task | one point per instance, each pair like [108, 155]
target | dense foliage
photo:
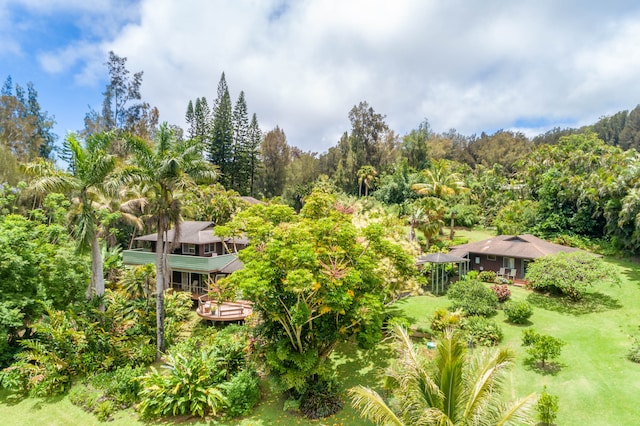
[473, 297]
[38, 264]
[570, 274]
[204, 375]
[518, 312]
[316, 280]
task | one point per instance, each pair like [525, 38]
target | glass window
[509, 262]
[188, 248]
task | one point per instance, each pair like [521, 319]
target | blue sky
[470, 65]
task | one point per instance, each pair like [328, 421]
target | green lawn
[595, 382]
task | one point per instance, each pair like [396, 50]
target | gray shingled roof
[521, 246]
[440, 258]
[193, 232]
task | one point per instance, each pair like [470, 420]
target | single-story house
[199, 256]
[511, 252]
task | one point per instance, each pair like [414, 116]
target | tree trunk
[160, 277]
[453, 222]
[97, 270]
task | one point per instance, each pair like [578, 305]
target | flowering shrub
[502, 292]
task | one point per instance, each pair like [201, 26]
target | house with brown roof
[199, 256]
[507, 253]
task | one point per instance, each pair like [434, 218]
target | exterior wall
[494, 265]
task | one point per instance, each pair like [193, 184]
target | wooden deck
[223, 312]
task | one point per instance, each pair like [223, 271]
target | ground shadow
[590, 303]
[549, 368]
[524, 324]
[394, 311]
[367, 364]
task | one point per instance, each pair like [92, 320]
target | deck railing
[178, 261]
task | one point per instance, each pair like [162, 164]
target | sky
[474, 66]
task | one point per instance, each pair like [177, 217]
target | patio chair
[502, 272]
[512, 274]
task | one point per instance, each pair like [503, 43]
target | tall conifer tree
[222, 132]
[254, 137]
[239, 167]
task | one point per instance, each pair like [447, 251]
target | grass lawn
[473, 235]
[595, 382]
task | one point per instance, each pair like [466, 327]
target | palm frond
[518, 412]
[372, 407]
[485, 375]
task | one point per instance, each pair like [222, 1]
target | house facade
[198, 258]
[512, 252]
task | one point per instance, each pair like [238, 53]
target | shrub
[242, 393]
[104, 410]
[634, 351]
[487, 276]
[541, 347]
[482, 331]
[442, 319]
[320, 399]
[189, 387]
[502, 292]
[547, 407]
[472, 275]
[570, 274]
[517, 312]
[177, 311]
[473, 297]
[120, 385]
[84, 397]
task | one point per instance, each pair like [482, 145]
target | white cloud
[474, 66]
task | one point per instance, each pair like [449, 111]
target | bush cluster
[473, 297]
[442, 319]
[517, 312]
[204, 375]
[320, 399]
[487, 276]
[106, 393]
[482, 331]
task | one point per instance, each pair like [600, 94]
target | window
[188, 248]
[491, 257]
[509, 262]
[477, 260]
[210, 248]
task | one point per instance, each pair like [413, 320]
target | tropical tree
[166, 169]
[316, 280]
[441, 182]
[366, 175]
[461, 389]
[92, 166]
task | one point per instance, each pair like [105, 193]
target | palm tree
[166, 169]
[461, 390]
[441, 182]
[366, 175]
[416, 218]
[92, 166]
